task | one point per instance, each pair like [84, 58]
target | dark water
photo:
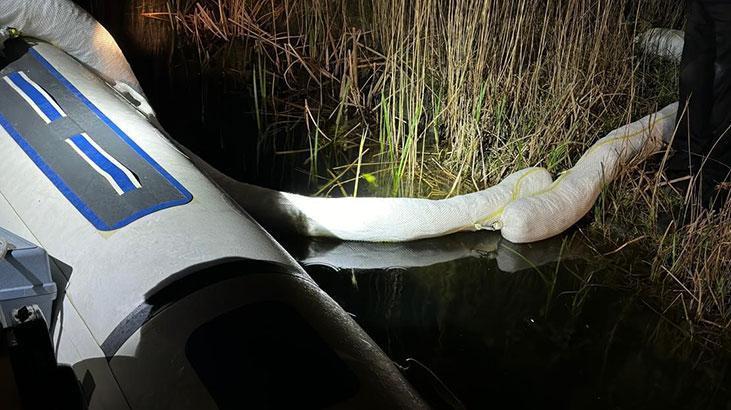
[481, 323]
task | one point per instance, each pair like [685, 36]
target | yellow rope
[555, 183]
[513, 196]
[594, 147]
[626, 137]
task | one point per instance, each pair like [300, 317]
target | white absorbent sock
[526, 206]
[70, 28]
[555, 209]
[662, 42]
[378, 219]
[404, 219]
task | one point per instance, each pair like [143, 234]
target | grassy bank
[433, 98]
[678, 250]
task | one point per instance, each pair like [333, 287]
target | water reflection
[494, 324]
[510, 257]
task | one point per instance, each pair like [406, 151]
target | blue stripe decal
[102, 162]
[38, 98]
[187, 196]
[53, 176]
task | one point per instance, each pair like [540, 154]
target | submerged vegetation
[434, 98]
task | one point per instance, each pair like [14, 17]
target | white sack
[571, 196]
[662, 42]
[378, 219]
[405, 219]
[70, 28]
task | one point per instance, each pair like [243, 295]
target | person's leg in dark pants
[696, 92]
[719, 147]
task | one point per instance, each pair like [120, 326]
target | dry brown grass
[445, 96]
[681, 249]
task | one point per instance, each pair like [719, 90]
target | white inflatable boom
[527, 206]
[403, 219]
[555, 209]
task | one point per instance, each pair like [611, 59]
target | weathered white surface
[112, 271]
[572, 195]
[75, 346]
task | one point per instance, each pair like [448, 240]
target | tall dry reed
[436, 97]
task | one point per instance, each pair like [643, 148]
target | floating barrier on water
[527, 206]
[388, 219]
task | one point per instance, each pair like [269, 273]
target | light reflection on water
[494, 324]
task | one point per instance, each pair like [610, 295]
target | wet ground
[478, 322]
